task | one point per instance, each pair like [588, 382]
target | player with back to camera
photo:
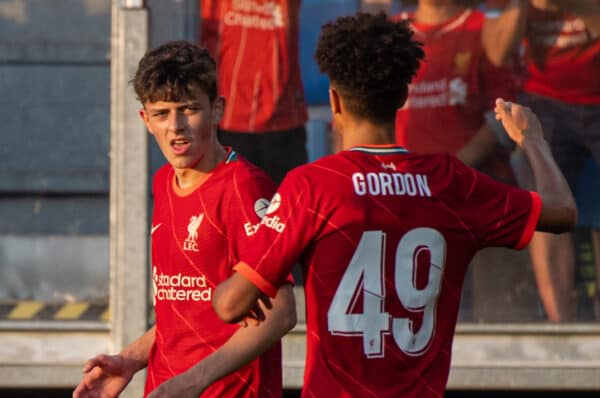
[385, 235]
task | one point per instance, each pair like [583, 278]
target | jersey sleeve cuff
[257, 279]
[534, 215]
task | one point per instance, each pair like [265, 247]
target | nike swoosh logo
[154, 228]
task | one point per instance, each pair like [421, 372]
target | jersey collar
[387, 149]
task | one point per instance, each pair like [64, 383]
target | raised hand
[518, 121]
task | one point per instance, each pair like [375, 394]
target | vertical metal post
[129, 252]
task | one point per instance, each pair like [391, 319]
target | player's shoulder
[329, 167]
[445, 162]
[162, 174]
[345, 161]
[440, 158]
[244, 171]
[238, 164]
[359, 155]
[316, 166]
[441, 168]
[307, 175]
[161, 180]
[163, 171]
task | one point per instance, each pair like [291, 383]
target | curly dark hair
[370, 60]
[173, 71]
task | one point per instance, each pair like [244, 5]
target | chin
[180, 163]
[186, 163]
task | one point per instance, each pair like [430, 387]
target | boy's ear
[334, 101]
[218, 109]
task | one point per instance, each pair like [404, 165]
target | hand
[106, 376]
[518, 121]
[257, 312]
[181, 386]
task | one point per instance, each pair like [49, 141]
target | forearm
[248, 342]
[234, 298]
[137, 353]
[558, 211]
[550, 184]
[501, 36]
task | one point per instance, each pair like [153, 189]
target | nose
[176, 121]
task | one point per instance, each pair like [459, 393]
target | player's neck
[193, 177]
[367, 134]
[436, 12]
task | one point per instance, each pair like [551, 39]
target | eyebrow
[182, 105]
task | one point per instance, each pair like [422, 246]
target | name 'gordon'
[383, 184]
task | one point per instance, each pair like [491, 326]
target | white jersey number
[365, 273]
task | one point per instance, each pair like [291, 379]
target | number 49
[366, 270]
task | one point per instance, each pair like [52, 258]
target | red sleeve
[532, 222]
[497, 214]
[250, 273]
[250, 193]
[285, 231]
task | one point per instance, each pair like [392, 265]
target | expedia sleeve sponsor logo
[261, 206]
[263, 209]
[275, 203]
[250, 228]
[180, 287]
[273, 222]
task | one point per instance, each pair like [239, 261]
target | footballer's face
[185, 130]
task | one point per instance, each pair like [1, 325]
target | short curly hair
[173, 71]
[370, 60]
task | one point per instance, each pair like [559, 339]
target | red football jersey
[562, 58]
[454, 87]
[196, 239]
[255, 44]
[385, 238]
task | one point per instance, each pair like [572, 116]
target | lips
[180, 145]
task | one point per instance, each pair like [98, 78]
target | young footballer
[207, 203]
[385, 235]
